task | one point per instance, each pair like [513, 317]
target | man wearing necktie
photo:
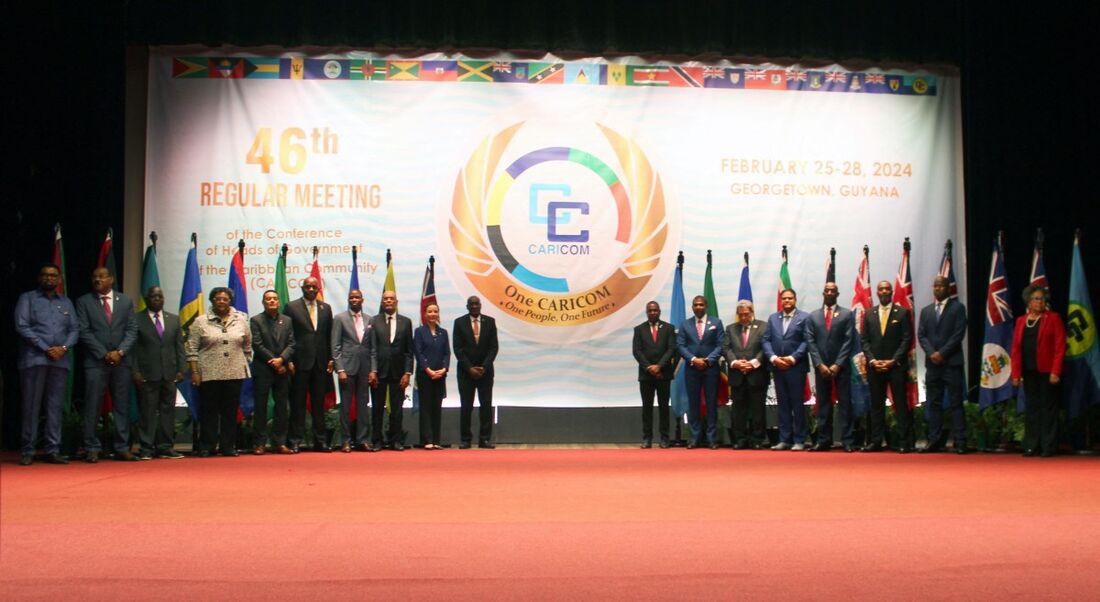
[887, 332]
[748, 378]
[785, 348]
[108, 331]
[312, 365]
[391, 367]
[475, 350]
[940, 334]
[159, 363]
[830, 336]
[272, 353]
[699, 342]
[351, 344]
[655, 351]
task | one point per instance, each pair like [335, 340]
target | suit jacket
[662, 352]
[471, 355]
[350, 353]
[311, 346]
[271, 338]
[1050, 352]
[753, 350]
[894, 345]
[391, 360]
[834, 345]
[710, 346]
[156, 357]
[943, 333]
[99, 337]
[792, 343]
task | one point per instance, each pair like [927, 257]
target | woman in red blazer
[1038, 348]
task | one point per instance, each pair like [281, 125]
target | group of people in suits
[793, 343]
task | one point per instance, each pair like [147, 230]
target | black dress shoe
[1047, 454]
[487, 445]
[713, 445]
[231, 453]
[464, 445]
[26, 460]
[849, 448]
[904, 449]
[91, 457]
[873, 447]
[821, 447]
[202, 453]
[125, 456]
[962, 451]
[322, 448]
[397, 446]
[646, 444]
[1028, 453]
[295, 448]
[929, 449]
[170, 454]
[690, 445]
[346, 447]
[663, 444]
[56, 459]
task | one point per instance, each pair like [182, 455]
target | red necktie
[107, 308]
[654, 330]
[828, 319]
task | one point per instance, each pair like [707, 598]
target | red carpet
[553, 524]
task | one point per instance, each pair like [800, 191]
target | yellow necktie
[313, 314]
[883, 316]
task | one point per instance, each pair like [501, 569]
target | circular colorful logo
[559, 236]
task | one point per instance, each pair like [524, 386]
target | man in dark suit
[159, 363]
[785, 348]
[351, 344]
[887, 332]
[312, 365]
[830, 336]
[475, 349]
[748, 377]
[108, 332]
[273, 346]
[940, 334]
[391, 367]
[655, 351]
[699, 342]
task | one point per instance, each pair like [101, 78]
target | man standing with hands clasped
[391, 367]
[159, 363]
[830, 334]
[475, 349]
[940, 334]
[312, 320]
[272, 354]
[699, 342]
[785, 347]
[887, 332]
[351, 344]
[655, 352]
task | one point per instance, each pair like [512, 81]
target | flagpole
[1006, 443]
[678, 438]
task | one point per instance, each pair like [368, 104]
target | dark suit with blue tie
[705, 381]
[99, 337]
[944, 333]
[790, 383]
[832, 342]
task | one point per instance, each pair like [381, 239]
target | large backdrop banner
[560, 192]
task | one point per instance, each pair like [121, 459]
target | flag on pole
[677, 313]
[150, 276]
[744, 289]
[723, 396]
[281, 287]
[861, 304]
[1038, 270]
[107, 254]
[996, 379]
[315, 272]
[191, 307]
[59, 261]
[427, 290]
[353, 283]
[903, 296]
[947, 270]
[239, 285]
[330, 394]
[1082, 364]
[784, 284]
[390, 284]
[830, 276]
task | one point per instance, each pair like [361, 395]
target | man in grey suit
[272, 352]
[351, 345]
[108, 332]
[391, 367]
[940, 334]
[748, 377]
[830, 336]
[159, 363]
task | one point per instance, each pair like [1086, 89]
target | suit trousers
[878, 382]
[1041, 401]
[747, 403]
[648, 388]
[378, 411]
[277, 387]
[157, 411]
[43, 388]
[358, 432]
[96, 380]
[936, 380]
[483, 387]
[790, 387]
[430, 393]
[843, 399]
[702, 383]
[313, 383]
[220, 401]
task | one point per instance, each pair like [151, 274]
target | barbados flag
[191, 307]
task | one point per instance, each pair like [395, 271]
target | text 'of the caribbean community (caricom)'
[287, 153]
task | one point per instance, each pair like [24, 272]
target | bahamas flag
[191, 307]
[239, 286]
[1082, 366]
[677, 313]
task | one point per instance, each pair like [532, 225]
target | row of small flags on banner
[1082, 366]
[567, 73]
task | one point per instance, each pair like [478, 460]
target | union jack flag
[874, 78]
[756, 74]
[997, 309]
[903, 296]
[502, 67]
[712, 72]
[796, 75]
[1038, 270]
[835, 77]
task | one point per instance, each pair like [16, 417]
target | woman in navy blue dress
[433, 357]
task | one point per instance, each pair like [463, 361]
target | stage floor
[604, 523]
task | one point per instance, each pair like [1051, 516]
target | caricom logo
[556, 237]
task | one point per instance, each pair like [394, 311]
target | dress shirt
[44, 321]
